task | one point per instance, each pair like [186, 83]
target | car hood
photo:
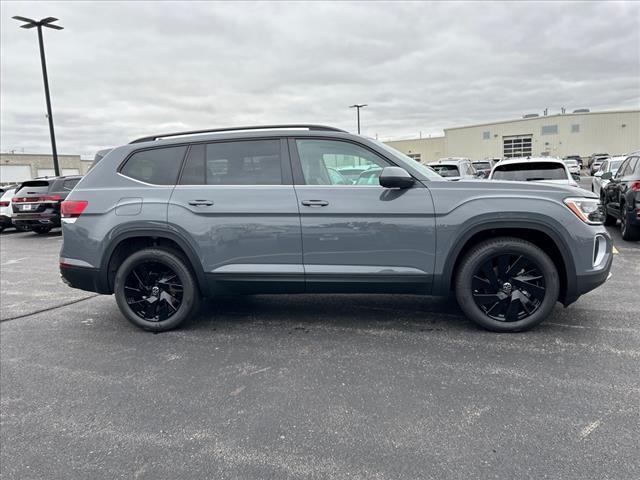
[551, 187]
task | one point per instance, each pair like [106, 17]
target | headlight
[589, 210]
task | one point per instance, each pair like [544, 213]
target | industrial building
[18, 167]
[585, 133]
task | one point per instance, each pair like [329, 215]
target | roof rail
[235, 129]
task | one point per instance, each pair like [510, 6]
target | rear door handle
[315, 203]
[201, 203]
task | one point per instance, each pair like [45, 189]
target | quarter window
[321, 159]
[252, 162]
[158, 166]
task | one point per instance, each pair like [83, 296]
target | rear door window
[252, 162]
[532, 171]
[159, 166]
[70, 183]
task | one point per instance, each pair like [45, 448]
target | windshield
[614, 165]
[428, 172]
[571, 163]
[482, 165]
[529, 172]
[446, 170]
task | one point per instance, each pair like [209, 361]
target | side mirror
[395, 177]
[576, 176]
[604, 176]
[481, 174]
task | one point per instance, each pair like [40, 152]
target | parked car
[610, 165]
[577, 158]
[535, 169]
[36, 204]
[574, 167]
[622, 197]
[595, 165]
[6, 193]
[594, 156]
[167, 219]
[352, 173]
[454, 168]
[482, 167]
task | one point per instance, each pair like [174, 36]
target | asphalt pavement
[313, 386]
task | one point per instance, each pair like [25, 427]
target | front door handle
[315, 203]
[201, 203]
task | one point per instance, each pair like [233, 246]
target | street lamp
[45, 22]
[358, 107]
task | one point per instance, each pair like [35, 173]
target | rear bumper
[36, 219]
[83, 278]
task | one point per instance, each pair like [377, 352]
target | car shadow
[405, 312]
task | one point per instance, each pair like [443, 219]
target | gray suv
[165, 220]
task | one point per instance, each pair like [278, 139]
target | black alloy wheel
[153, 291]
[508, 287]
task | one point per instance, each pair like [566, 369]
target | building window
[549, 130]
[517, 146]
[575, 128]
[416, 156]
[486, 135]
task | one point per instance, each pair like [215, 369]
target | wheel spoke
[147, 277]
[479, 283]
[135, 274]
[535, 290]
[513, 309]
[515, 268]
[487, 269]
[486, 298]
[503, 266]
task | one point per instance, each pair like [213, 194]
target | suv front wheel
[507, 284]
[156, 290]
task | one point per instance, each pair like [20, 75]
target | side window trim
[285, 162]
[296, 164]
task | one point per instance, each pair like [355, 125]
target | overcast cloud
[122, 70]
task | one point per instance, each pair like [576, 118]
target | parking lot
[325, 386]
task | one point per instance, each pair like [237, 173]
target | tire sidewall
[170, 259]
[488, 249]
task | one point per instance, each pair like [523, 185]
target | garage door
[50, 172]
[14, 173]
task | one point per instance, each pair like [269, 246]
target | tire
[628, 232]
[41, 230]
[532, 300]
[609, 220]
[144, 307]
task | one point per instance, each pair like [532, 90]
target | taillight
[44, 198]
[4, 204]
[72, 208]
[635, 186]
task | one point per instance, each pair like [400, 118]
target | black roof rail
[235, 129]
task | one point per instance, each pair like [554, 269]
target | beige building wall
[429, 149]
[615, 132]
[40, 163]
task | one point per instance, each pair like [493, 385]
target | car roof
[512, 161]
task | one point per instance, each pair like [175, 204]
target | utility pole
[358, 107]
[45, 22]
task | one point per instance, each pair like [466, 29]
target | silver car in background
[609, 165]
[540, 169]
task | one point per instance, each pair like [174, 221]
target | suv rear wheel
[156, 290]
[507, 285]
[628, 231]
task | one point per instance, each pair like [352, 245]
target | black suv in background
[36, 205]
[622, 197]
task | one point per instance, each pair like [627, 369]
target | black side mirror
[395, 177]
[606, 176]
[576, 176]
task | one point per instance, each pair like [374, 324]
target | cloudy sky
[121, 70]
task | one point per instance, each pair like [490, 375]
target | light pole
[358, 107]
[45, 22]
